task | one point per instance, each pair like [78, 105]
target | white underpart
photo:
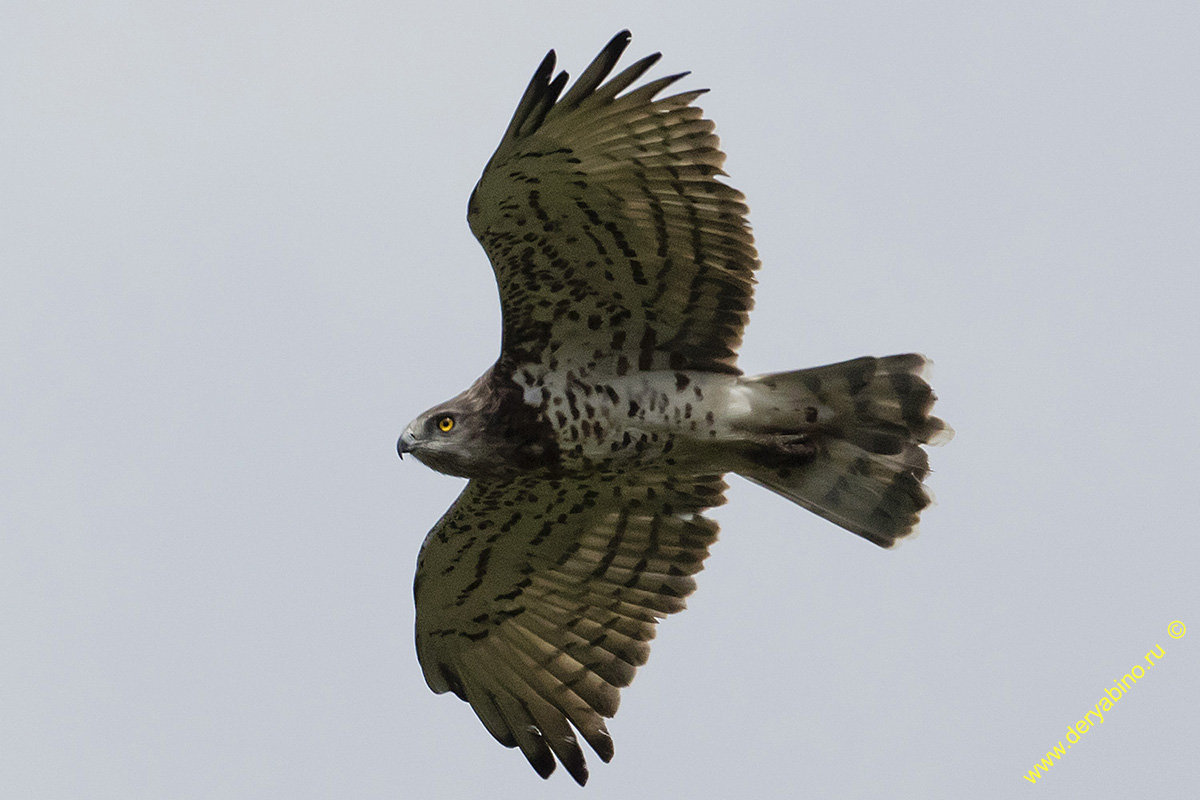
[737, 403]
[532, 395]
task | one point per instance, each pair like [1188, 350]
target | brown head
[488, 431]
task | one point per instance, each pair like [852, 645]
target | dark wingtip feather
[533, 96]
[602, 743]
[598, 70]
[547, 96]
[542, 761]
[542, 95]
[577, 767]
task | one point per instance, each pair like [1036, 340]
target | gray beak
[404, 445]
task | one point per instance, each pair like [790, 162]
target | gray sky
[235, 264]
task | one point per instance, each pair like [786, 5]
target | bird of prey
[603, 432]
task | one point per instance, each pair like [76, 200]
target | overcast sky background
[235, 265]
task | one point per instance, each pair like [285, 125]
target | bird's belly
[670, 419]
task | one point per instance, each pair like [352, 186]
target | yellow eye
[445, 424]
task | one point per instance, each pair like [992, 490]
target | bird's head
[444, 438]
[489, 431]
[455, 437]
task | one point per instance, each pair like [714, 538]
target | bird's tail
[844, 441]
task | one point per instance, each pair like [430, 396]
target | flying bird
[603, 432]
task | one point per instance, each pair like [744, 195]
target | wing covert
[537, 600]
[612, 241]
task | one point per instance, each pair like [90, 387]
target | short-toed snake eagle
[601, 435]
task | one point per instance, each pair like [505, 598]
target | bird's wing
[537, 599]
[612, 241]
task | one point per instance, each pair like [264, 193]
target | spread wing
[612, 241]
[537, 600]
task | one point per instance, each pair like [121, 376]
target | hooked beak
[404, 445]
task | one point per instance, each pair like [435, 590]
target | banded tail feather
[844, 441]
